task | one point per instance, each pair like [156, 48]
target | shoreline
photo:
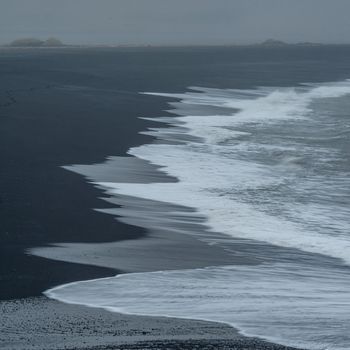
[79, 110]
[61, 201]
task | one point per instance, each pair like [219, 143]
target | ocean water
[269, 166]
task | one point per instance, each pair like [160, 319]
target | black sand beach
[78, 106]
[63, 326]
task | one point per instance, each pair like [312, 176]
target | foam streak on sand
[271, 166]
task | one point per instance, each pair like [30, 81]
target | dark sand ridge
[66, 106]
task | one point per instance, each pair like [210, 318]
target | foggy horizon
[181, 22]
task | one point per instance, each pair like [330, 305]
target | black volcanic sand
[41, 323]
[77, 106]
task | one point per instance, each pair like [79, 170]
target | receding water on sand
[283, 303]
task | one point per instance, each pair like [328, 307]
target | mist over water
[271, 165]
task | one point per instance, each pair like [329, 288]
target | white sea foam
[287, 304]
[216, 174]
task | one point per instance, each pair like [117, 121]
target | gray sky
[176, 21]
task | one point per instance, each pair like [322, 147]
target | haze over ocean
[181, 22]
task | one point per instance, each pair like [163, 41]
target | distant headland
[34, 42]
[279, 43]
